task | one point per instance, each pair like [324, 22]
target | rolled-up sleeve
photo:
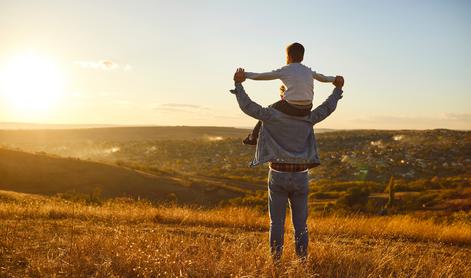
[327, 107]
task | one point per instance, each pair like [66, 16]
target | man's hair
[296, 52]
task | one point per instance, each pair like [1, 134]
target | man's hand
[338, 82]
[239, 75]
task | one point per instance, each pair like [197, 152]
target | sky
[406, 64]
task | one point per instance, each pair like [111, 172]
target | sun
[30, 83]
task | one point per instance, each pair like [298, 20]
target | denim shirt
[284, 138]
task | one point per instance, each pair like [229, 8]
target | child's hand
[338, 82]
[239, 75]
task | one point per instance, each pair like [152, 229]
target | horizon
[59, 126]
[405, 64]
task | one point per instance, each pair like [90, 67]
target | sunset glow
[31, 84]
[171, 62]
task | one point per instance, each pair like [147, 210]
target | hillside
[116, 134]
[22, 125]
[45, 174]
[80, 223]
[345, 155]
[44, 135]
[431, 168]
[44, 237]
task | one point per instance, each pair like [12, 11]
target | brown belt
[289, 167]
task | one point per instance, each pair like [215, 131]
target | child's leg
[256, 130]
[251, 139]
[292, 110]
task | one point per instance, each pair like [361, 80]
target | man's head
[294, 53]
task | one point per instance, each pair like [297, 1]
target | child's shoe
[249, 140]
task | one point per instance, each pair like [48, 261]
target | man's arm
[250, 107]
[322, 78]
[271, 75]
[325, 109]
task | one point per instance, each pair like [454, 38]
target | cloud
[121, 102]
[181, 107]
[208, 115]
[103, 65]
[458, 117]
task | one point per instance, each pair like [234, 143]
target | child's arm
[271, 75]
[322, 78]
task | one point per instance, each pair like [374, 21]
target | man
[289, 145]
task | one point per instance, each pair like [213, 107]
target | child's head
[294, 53]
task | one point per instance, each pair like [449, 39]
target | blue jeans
[284, 187]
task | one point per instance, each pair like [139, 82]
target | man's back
[284, 138]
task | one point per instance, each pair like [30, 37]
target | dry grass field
[51, 237]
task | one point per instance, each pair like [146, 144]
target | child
[297, 92]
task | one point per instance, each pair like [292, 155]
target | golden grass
[46, 237]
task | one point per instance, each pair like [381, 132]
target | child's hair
[296, 52]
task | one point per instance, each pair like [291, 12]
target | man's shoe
[249, 140]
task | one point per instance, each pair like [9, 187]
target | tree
[391, 193]
[355, 199]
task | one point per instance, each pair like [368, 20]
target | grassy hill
[117, 134]
[45, 236]
[46, 174]
[346, 155]
[431, 168]
[43, 134]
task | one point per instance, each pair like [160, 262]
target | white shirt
[298, 80]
